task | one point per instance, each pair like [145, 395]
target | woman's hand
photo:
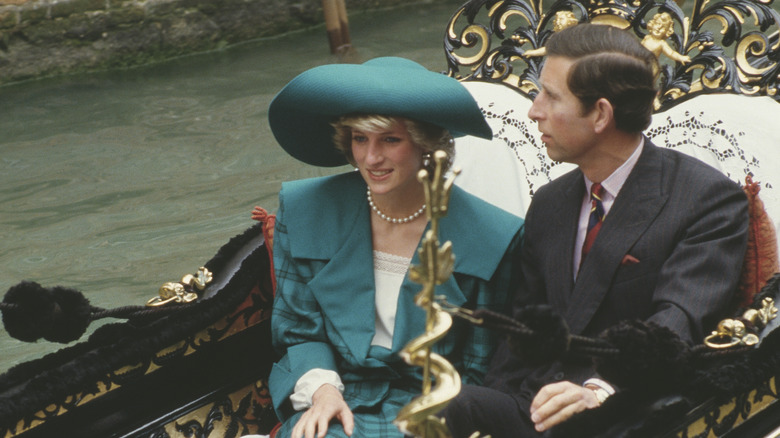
[557, 402]
[327, 404]
[259, 214]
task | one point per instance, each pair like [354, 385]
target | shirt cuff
[309, 383]
[601, 384]
[602, 389]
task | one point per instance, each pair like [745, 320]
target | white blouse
[389, 273]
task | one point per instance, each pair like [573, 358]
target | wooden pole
[330, 10]
[344, 23]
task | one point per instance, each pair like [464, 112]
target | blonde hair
[426, 136]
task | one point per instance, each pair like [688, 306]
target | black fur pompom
[651, 359]
[34, 312]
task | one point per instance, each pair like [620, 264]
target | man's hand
[557, 402]
[327, 404]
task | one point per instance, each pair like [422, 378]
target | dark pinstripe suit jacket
[684, 221]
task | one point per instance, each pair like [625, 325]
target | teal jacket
[323, 315]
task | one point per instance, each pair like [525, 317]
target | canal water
[113, 183]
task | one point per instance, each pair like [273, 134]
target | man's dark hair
[609, 63]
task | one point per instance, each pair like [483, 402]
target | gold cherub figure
[562, 20]
[659, 28]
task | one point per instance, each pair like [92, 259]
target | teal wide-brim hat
[300, 115]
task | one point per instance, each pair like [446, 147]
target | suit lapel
[638, 204]
[560, 233]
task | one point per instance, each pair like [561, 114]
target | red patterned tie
[596, 217]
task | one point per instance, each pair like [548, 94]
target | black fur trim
[651, 359]
[548, 339]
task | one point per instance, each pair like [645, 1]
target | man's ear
[603, 115]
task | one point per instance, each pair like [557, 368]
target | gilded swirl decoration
[727, 46]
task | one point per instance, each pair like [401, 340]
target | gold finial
[742, 331]
[436, 262]
[182, 291]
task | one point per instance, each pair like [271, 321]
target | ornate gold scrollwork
[563, 19]
[742, 331]
[472, 36]
[484, 61]
[730, 46]
[436, 263]
[754, 45]
[182, 291]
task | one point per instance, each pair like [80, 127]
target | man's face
[567, 131]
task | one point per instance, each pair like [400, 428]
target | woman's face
[387, 160]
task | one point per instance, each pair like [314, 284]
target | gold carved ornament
[740, 332]
[436, 263]
[182, 291]
[703, 46]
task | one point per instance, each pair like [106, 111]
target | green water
[114, 183]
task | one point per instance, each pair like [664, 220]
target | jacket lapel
[346, 249]
[560, 235]
[638, 204]
[336, 244]
[410, 318]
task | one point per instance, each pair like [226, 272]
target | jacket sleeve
[698, 280]
[297, 326]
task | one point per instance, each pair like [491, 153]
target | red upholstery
[761, 259]
[269, 221]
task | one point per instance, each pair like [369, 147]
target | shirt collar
[615, 181]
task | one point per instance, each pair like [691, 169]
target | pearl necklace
[393, 220]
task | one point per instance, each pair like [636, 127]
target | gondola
[193, 370]
[197, 365]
